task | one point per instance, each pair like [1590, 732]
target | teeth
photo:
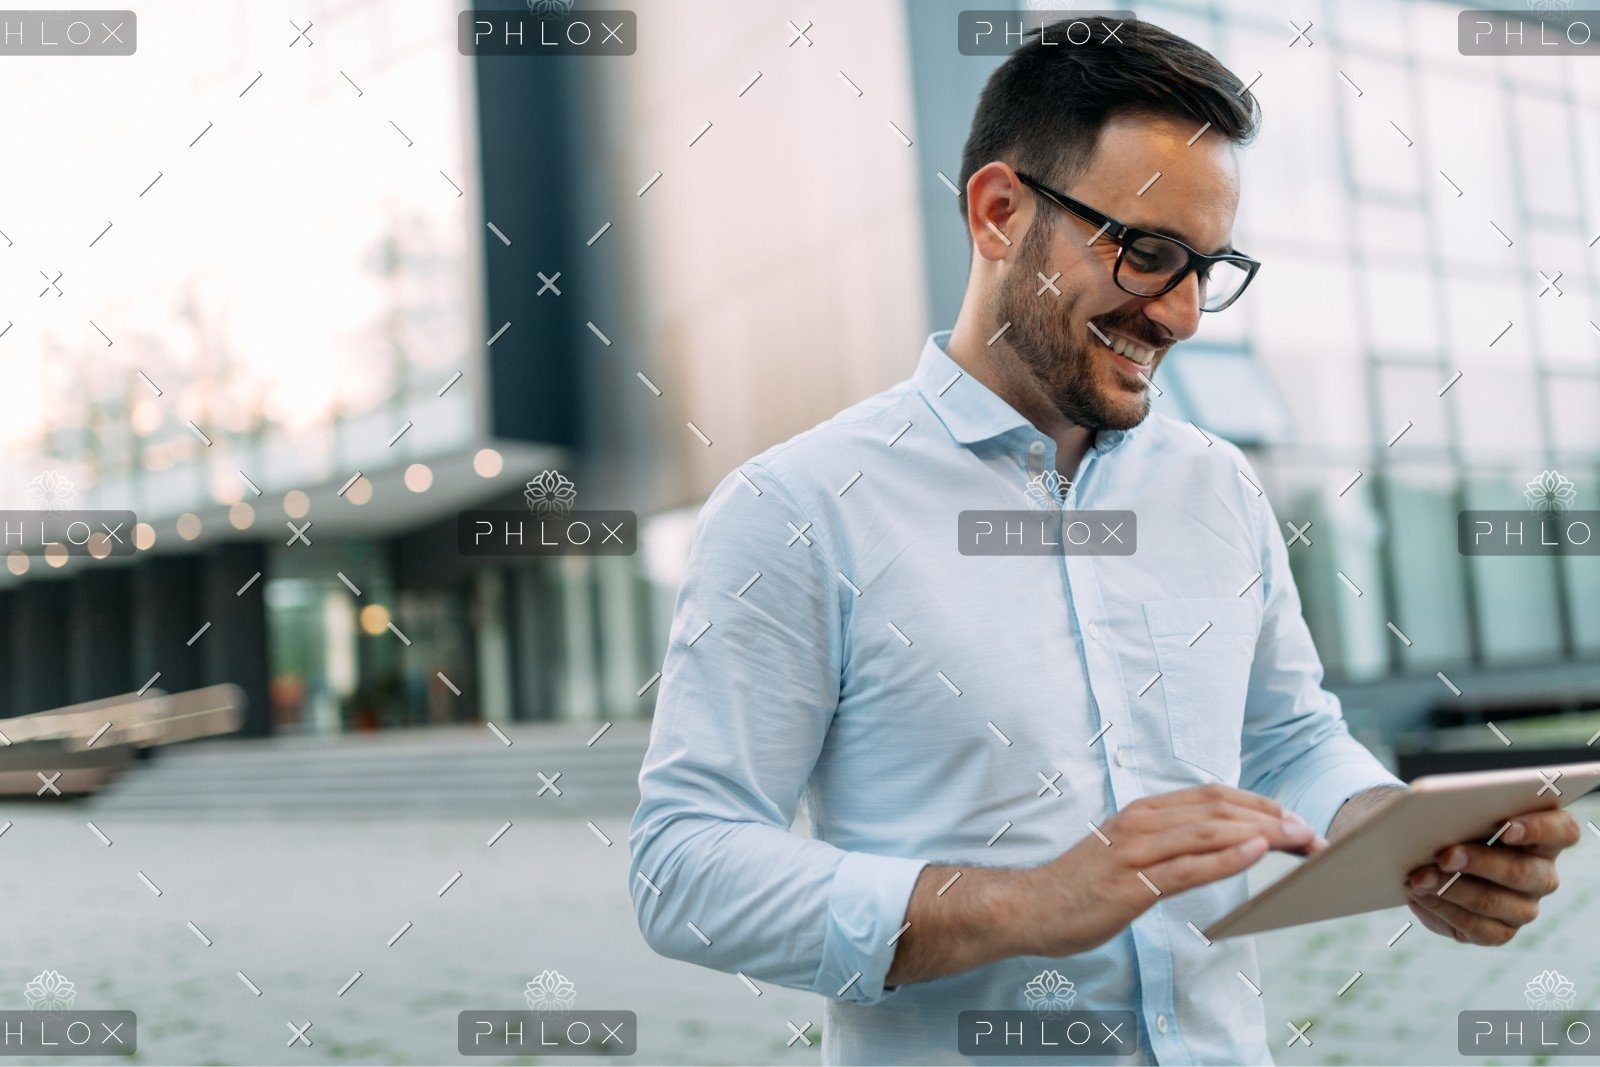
[1139, 354]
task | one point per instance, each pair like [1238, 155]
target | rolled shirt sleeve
[744, 706]
[1297, 746]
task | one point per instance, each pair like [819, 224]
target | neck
[999, 369]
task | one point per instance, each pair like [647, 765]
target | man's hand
[1496, 888]
[1091, 892]
[1500, 885]
[1172, 842]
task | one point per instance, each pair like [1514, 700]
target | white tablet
[1365, 870]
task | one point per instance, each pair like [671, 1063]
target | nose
[1177, 310]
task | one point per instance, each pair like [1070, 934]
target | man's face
[1194, 200]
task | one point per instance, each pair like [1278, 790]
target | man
[1020, 764]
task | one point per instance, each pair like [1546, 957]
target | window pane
[1575, 414]
[1516, 603]
[1379, 156]
[1583, 578]
[1409, 395]
[1394, 236]
[1461, 117]
[1348, 630]
[1369, 26]
[1230, 394]
[1477, 313]
[1498, 413]
[1543, 148]
[1401, 309]
[1430, 605]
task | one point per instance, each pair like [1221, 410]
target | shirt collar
[970, 410]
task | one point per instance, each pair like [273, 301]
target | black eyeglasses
[1150, 264]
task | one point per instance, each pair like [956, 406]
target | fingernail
[1426, 880]
[1514, 833]
[1295, 829]
[1454, 860]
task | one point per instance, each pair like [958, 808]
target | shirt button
[1161, 1023]
[1123, 759]
[1037, 448]
[1094, 631]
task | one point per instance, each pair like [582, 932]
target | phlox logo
[1047, 490]
[50, 991]
[51, 491]
[1050, 991]
[1550, 492]
[550, 991]
[556, 527]
[551, 1026]
[1550, 992]
[53, 1025]
[1555, 529]
[555, 29]
[551, 493]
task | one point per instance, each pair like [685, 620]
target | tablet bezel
[1427, 784]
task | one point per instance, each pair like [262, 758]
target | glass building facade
[1402, 328]
[1401, 356]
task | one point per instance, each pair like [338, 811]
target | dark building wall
[235, 648]
[8, 705]
[105, 632]
[100, 647]
[39, 640]
[166, 613]
[528, 140]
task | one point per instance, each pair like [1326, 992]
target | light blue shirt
[831, 644]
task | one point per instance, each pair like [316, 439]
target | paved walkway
[299, 905]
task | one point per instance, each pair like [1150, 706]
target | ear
[998, 210]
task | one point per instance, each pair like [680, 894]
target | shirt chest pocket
[1204, 650]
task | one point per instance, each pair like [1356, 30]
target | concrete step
[521, 770]
[450, 769]
[518, 805]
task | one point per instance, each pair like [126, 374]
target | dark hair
[1042, 110]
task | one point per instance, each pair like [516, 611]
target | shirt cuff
[1320, 800]
[866, 908]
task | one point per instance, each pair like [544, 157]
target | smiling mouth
[1138, 356]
